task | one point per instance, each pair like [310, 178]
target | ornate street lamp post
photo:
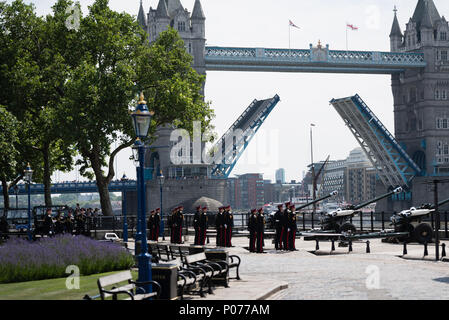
[161, 180]
[28, 176]
[141, 121]
[125, 221]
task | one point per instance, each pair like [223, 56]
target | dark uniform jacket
[278, 219]
[203, 220]
[252, 222]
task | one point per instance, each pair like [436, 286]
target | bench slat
[195, 258]
[115, 278]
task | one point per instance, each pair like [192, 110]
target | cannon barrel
[333, 193]
[440, 204]
[395, 191]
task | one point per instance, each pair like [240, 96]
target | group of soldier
[72, 223]
[286, 227]
[224, 223]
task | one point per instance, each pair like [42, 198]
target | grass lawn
[53, 289]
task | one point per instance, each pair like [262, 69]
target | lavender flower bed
[48, 258]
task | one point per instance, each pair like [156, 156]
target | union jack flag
[353, 27]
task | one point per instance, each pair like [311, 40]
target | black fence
[370, 222]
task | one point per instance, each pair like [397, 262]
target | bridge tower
[421, 105]
[191, 27]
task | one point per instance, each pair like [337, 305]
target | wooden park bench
[132, 289]
[212, 268]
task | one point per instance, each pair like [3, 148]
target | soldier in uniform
[179, 219]
[278, 226]
[196, 225]
[252, 228]
[293, 228]
[171, 224]
[59, 223]
[158, 222]
[219, 225]
[203, 224]
[285, 227]
[152, 226]
[69, 221]
[260, 227]
[48, 223]
[229, 224]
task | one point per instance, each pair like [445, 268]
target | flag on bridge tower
[291, 24]
[353, 28]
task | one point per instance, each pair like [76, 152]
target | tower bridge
[419, 68]
[319, 60]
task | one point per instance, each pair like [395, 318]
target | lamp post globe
[161, 180]
[141, 120]
[28, 176]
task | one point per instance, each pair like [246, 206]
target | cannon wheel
[423, 233]
[348, 227]
[406, 228]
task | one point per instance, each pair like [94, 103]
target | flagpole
[347, 48]
[289, 37]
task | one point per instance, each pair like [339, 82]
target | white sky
[304, 97]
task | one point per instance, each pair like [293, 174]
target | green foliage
[9, 127]
[72, 90]
[33, 69]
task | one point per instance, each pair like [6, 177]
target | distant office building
[360, 178]
[247, 191]
[269, 192]
[334, 180]
[280, 175]
[354, 178]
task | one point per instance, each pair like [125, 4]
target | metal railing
[368, 222]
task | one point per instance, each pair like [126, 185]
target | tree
[36, 59]
[8, 152]
[116, 63]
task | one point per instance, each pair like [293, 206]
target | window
[443, 36]
[437, 94]
[181, 26]
[443, 95]
[444, 55]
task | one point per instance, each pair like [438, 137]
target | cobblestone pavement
[345, 276]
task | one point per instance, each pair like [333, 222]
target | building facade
[280, 175]
[421, 104]
[247, 191]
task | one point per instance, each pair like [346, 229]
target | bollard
[208, 241]
[404, 252]
[333, 245]
[443, 250]
[426, 253]
[350, 246]
[317, 247]
[368, 249]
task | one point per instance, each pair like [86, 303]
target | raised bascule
[419, 67]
